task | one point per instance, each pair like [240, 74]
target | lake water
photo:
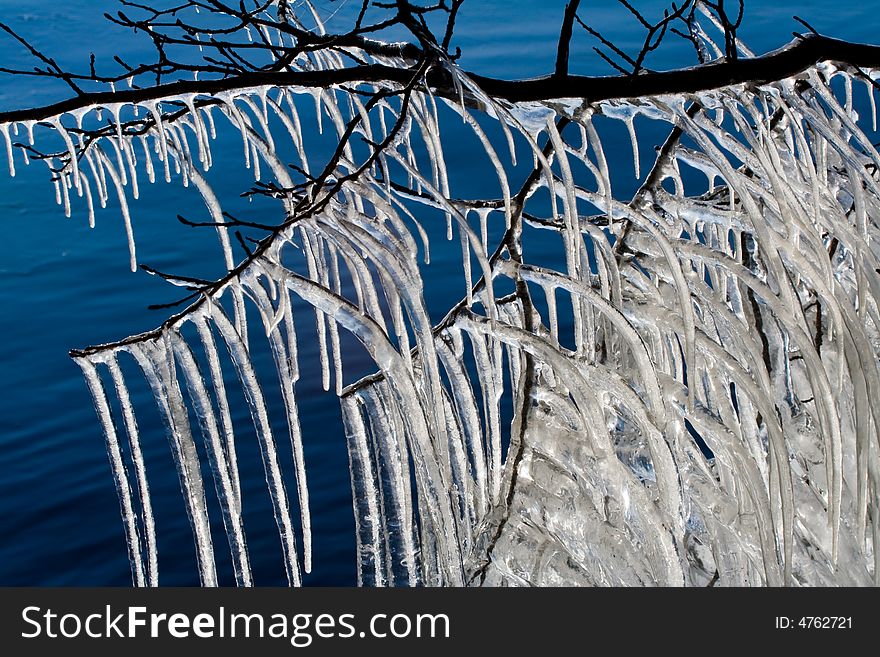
[63, 285]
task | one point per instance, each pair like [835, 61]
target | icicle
[148, 160]
[115, 109]
[199, 129]
[4, 130]
[870, 85]
[364, 491]
[491, 394]
[216, 212]
[550, 295]
[605, 178]
[496, 163]
[89, 202]
[131, 428]
[320, 319]
[261, 116]
[848, 90]
[128, 149]
[180, 151]
[210, 117]
[98, 177]
[631, 127]
[65, 192]
[463, 396]
[229, 501]
[216, 377]
[123, 204]
[468, 278]
[483, 214]
[334, 330]
[293, 127]
[120, 476]
[71, 150]
[283, 357]
[318, 95]
[159, 371]
[389, 442]
[162, 139]
[57, 185]
[260, 416]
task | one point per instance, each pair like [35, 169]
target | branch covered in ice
[680, 395]
[796, 57]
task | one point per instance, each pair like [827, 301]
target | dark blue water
[63, 285]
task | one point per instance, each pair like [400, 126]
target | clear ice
[685, 399]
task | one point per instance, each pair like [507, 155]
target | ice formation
[704, 418]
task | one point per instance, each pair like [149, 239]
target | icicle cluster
[683, 397]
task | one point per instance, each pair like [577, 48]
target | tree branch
[790, 60]
[562, 51]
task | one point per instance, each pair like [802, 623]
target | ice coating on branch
[677, 391]
[364, 492]
[4, 130]
[268, 451]
[283, 364]
[120, 475]
[151, 565]
[160, 371]
[229, 497]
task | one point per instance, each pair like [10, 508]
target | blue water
[63, 285]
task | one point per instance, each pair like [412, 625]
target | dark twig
[562, 52]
